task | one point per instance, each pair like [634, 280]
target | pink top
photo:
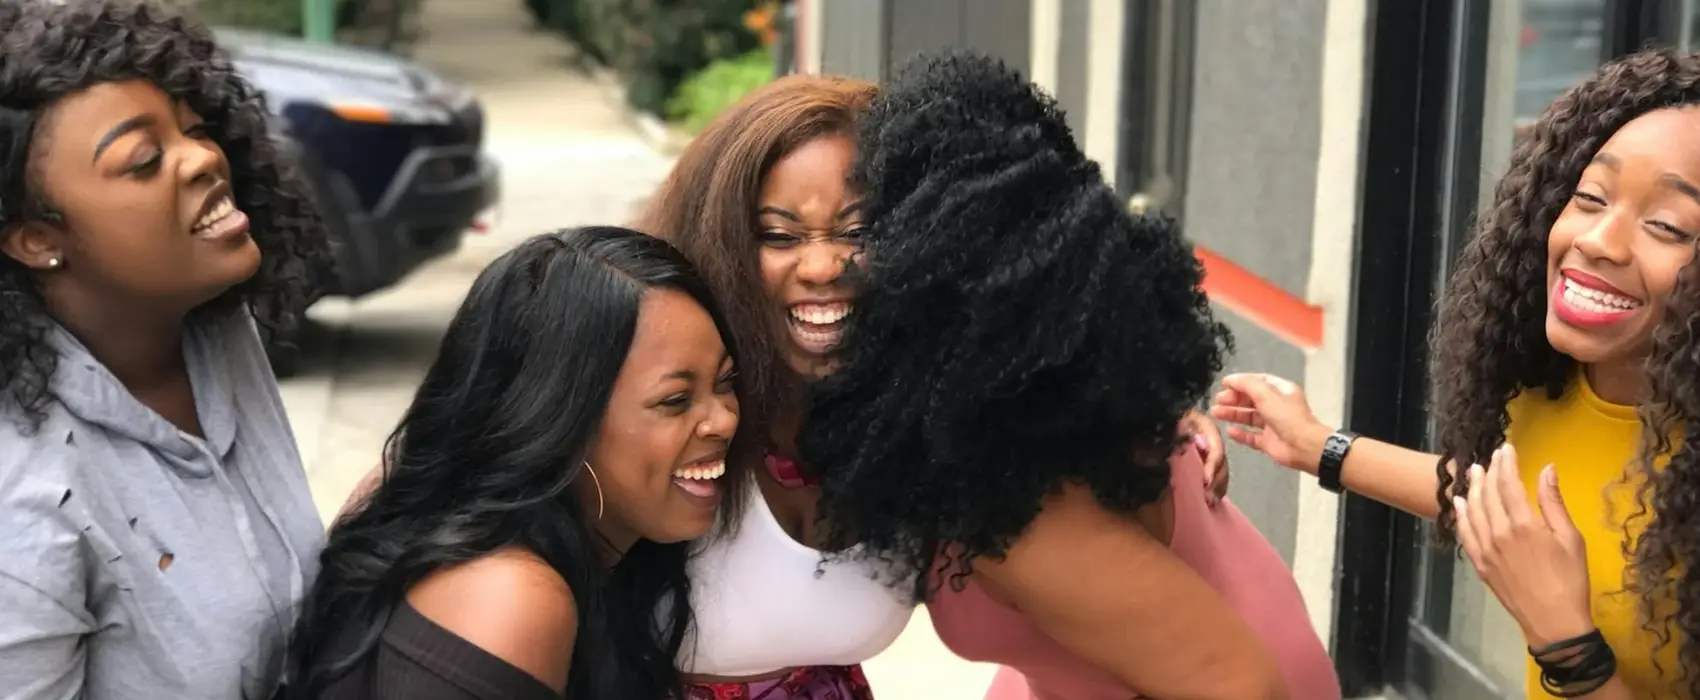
[1219, 543]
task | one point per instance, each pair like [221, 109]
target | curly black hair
[49, 50]
[1016, 329]
[1491, 344]
[1668, 499]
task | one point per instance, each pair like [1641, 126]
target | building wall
[1250, 190]
[1267, 192]
[852, 36]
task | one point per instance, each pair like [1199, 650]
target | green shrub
[283, 16]
[706, 94]
[540, 10]
[655, 44]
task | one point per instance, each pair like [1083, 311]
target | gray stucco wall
[868, 38]
[998, 27]
[1072, 31]
[1251, 188]
[854, 38]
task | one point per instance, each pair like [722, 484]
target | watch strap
[1334, 451]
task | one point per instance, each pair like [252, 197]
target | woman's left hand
[1206, 437]
[1535, 563]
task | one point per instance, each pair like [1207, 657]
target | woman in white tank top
[759, 202]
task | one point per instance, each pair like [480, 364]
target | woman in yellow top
[1546, 343]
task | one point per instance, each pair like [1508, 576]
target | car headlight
[378, 113]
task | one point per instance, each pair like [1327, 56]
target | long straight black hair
[483, 458]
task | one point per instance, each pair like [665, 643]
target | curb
[660, 135]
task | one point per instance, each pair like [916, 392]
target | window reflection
[1561, 43]
[1536, 50]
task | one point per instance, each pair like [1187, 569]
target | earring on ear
[54, 263]
[598, 483]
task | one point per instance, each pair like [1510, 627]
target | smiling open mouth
[698, 479]
[818, 327]
[223, 219]
[1580, 301]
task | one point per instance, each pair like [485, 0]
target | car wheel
[285, 356]
[334, 195]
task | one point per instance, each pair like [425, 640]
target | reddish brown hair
[707, 208]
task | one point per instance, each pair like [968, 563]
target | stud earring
[54, 263]
[598, 483]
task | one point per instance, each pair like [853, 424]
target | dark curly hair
[49, 50]
[1017, 329]
[1667, 553]
[707, 207]
[1491, 344]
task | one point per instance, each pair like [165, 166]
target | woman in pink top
[1001, 429]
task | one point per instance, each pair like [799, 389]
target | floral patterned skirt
[806, 683]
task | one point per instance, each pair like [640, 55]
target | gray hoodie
[140, 562]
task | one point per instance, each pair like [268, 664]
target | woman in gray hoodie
[158, 528]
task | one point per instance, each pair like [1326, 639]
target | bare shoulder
[1112, 592]
[511, 604]
[1072, 527]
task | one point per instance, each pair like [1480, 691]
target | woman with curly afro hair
[1572, 306]
[761, 202]
[1001, 431]
[159, 529]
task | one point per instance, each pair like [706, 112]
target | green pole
[319, 20]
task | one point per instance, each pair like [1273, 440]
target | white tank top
[760, 607]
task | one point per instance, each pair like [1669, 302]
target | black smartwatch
[1334, 451]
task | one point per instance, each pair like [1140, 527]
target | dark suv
[393, 151]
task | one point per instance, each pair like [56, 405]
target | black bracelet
[1577, 666]
[1333, 459]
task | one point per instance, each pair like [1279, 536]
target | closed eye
[1671, 230]
[148, 166]
[777, 238]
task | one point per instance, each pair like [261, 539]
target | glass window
[1687, 31]
[1464, 645]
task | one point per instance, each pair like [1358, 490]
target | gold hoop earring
[598, 483]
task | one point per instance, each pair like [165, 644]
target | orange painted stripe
[1260, 301]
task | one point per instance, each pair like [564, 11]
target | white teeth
[1595, 300]
[713, 471]
[820, 314]
[224, 208]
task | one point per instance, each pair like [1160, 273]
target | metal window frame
[1156, 104]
